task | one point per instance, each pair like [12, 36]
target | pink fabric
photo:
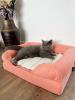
[52, 77]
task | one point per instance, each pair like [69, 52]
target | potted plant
[9, 31]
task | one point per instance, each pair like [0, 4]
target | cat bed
[50, 76]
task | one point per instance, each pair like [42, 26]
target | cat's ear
[50, 42]
[43, 41]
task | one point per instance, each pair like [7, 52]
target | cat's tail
[13, 47]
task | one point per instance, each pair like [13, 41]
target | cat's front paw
[53, 54]
[14, 61]
[51, 57]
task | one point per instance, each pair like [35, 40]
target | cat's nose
[26, 56]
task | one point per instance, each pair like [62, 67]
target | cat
[45, 50]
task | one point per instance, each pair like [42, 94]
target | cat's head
[47, 45]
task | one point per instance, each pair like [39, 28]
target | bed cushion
[32, 63]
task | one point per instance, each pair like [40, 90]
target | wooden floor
[14, 88]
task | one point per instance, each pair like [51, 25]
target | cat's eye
[48, 46]
[43, 46]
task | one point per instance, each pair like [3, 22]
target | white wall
[49, 19]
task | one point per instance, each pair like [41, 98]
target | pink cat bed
[52, 77]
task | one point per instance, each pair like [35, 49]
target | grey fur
[45, 51]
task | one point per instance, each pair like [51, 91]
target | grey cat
[45, 50]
